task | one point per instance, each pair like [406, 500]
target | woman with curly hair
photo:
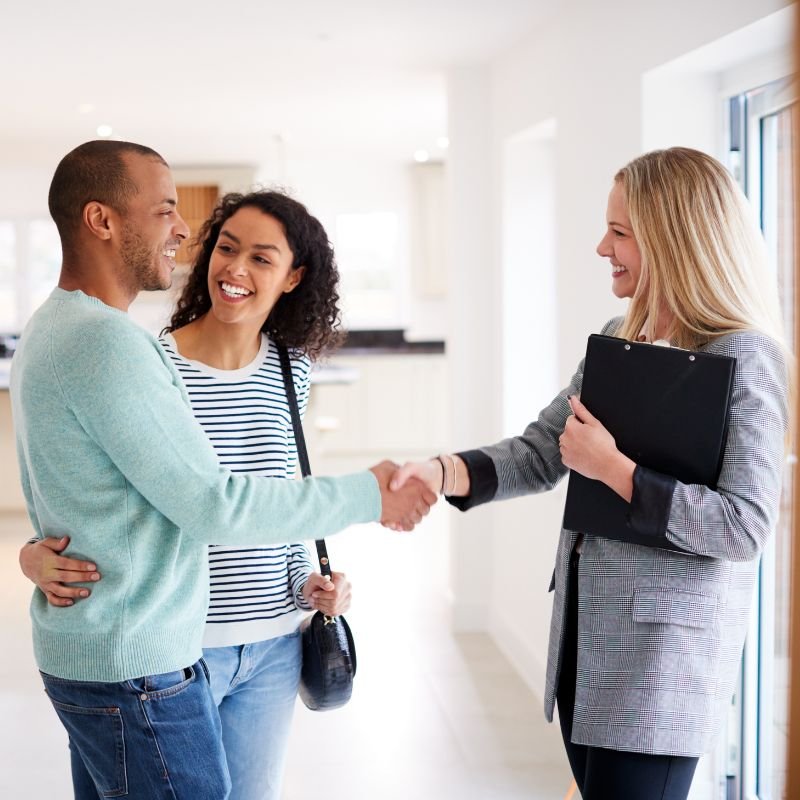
[264, 275]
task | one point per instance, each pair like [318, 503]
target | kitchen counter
[327, 373]
[331, 374]
[358, 343]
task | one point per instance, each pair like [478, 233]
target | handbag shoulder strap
[300, 443]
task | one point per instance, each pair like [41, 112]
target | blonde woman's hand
[429, 472]
[42, 563]
[588, 448]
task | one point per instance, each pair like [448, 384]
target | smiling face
[250, 268]
[151, 228]
[619, 246]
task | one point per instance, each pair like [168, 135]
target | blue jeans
[255, 686]
[150, 738]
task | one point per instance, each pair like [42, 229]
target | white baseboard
[528, 660]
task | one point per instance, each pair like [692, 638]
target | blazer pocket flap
[674, 607]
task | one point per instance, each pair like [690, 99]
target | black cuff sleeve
[482, 480]
[650, 505]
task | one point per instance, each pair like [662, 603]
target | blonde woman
[642, 688]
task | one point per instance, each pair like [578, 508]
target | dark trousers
[603, 774]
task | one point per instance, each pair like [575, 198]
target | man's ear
[294, 278]
[96, 218]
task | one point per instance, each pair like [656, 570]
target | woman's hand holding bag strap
[329, 653]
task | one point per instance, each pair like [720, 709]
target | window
[30, 261]
[8, 304]
[760, 158]
[366, 252]
[44, 248]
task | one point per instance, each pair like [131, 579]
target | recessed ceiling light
[421, 156]
[104, 130]
[85, 108]
[443, 143]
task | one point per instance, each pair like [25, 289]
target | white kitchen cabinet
[396, 408]
[11, 497]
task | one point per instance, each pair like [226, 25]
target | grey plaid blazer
[660, 633]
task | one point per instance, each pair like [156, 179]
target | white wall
[529, 270]
[587, 71]
[23, 191]
[474, 355]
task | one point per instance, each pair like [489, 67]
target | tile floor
[434, 715]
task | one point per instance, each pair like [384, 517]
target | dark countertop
[390, 340]
[383, 342]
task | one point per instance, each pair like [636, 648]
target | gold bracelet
[455, 474]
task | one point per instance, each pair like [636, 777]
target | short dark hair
[306, 319]
[94, 171]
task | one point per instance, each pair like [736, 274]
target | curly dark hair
[306, 320]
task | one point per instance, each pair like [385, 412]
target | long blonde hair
[703, 258]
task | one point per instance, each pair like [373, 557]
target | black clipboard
[667, 410]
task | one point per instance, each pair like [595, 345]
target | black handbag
[329, 653]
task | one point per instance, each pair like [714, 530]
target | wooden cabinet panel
[195, 204]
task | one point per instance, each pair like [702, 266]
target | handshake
[407, 492]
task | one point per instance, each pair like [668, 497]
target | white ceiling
[232, 81]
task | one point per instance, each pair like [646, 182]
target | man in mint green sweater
[111, 456]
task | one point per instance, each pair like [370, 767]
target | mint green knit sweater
[111, 455]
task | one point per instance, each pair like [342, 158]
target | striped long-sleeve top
[255, 592]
